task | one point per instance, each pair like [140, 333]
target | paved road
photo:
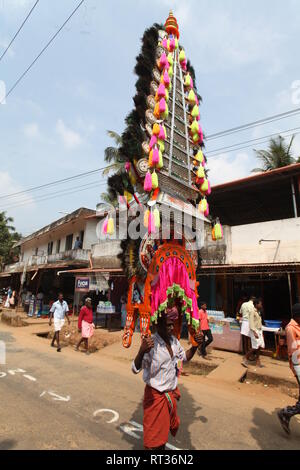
[51, 400]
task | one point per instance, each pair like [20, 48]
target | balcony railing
[70, 255]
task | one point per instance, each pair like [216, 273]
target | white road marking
[133, 426]
[2, 375]
[56, 397]
[29, 377]
[16, 371]
[115, 414]
[129, 429]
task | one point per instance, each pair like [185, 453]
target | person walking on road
[293, 341]
[85, 324]
[58, 311]
[158, 357]
[256, 334]
[206, 331]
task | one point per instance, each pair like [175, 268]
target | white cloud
[31, 131]
[70, 138]
[227, 168]
[9, 186]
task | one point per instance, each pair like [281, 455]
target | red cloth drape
[160, 417]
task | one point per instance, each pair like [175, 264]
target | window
[58, 246]
[36, 251]
[50, 248]
[81, 236]
[69, 242]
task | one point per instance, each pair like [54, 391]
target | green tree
[8, 238]
[112, 155]
[278, 155]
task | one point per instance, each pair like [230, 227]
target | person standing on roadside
[206, 331]
[256, 333]
[293, 341]
[59, 311]
[245, 309]
[85, 325]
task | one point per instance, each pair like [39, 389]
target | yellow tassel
[161, 146]
[200, 157]
[156, 218]
[154, 180]
[161, 162]
[200, 172]
[110, 227]
[146, 218]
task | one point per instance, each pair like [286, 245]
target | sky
[53, 125]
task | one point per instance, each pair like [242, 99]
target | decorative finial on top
[171, 25]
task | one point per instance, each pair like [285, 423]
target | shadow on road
[188, 412]
[269, 434]
[8, 444]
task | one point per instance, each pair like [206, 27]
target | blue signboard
[82, 284]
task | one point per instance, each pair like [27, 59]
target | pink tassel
[104, 227]
[127, 166]
[162, 135]
[165, 43]
[166, 79]
[200, 134]
[153, 142]
[155, 157]
[161, 92]
[163, 61]
[172, 45]
[209, 189]
[151, 223]
[192, 83]
[197, 101]
[162, 106]
[148, 182]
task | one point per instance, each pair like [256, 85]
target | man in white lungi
[256, 334]
[58, 311]
[245, 310]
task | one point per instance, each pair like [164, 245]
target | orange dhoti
[160, 417]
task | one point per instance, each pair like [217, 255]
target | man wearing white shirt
[58, 311]
[159, 358]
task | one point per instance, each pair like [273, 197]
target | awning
[247, 269]
[92, 271]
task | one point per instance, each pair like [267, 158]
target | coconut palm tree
[113, 156]
[278, 155]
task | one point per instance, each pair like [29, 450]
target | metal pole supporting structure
[290, 291]
[294, 198]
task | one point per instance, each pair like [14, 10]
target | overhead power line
[55, 195]
[247, 146]
[260, 122]
[19, 30]
[253, 140]
[53, 183]
[41, 53]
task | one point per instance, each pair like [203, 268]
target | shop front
[105, 288]
[223, 288]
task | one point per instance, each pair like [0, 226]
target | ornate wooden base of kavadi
[164, 167]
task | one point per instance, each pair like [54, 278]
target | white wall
[243, 245]
[90, 235]
[28, 249]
